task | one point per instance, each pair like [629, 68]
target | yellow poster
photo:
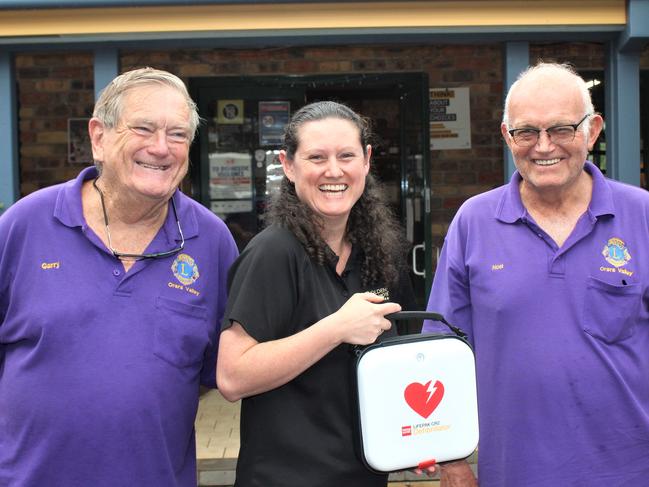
[229, 112]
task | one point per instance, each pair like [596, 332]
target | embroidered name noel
[497, 267]
[50, 265]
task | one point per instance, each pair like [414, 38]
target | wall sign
[450, 118]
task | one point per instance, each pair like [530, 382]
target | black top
[301, 433]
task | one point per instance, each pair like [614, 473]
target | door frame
[402, 84]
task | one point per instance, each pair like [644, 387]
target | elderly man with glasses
[112, 287]
[549, 276]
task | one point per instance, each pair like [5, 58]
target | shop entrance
[235, 168]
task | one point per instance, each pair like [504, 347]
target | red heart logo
[422, 398]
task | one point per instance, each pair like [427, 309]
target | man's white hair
[109, 106]
[559, 69]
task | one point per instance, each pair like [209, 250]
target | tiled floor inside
[217, 445]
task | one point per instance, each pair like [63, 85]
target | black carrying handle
[406, 315]
[424, 315]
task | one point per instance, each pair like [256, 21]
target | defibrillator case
[417, 400]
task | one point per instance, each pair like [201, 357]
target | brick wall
[455, 175]
[584, 56]
[53, 87]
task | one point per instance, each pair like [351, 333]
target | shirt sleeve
[450, 293]
[264, 286]
[226, 254]
[7, 228]
[4, 278]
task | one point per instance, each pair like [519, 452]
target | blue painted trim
[300, 37]
[9, 189]
[636, 33]
[106, 68]
[517, 59]
[623, 115]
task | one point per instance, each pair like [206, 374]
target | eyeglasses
[148, 132]
[558, 134]
[155, 255]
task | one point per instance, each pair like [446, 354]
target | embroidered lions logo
[616, 253]
[185, 269]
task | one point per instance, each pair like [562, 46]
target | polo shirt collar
[353, 261]
[510, 208]
[601, 202]
[69, 211]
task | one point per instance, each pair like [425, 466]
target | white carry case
[417, 402]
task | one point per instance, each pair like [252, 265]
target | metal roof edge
[210, 39]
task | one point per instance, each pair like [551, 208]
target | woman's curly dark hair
[371, 226]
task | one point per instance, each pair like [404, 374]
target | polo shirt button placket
[116, 272]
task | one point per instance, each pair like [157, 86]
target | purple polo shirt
[561, 336]
[100, 369]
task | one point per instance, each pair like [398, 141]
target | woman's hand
[246, 367]
[362, 318]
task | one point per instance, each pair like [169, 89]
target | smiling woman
[328, 171]
[322, 276]
[327, 146]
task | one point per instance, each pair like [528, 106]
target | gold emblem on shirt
[185, 269]
[616, 253]
[383, 292]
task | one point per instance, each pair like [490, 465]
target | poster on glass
[230, 176]
[273, 118]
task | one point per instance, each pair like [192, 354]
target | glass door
[237, 147]
[415, 185]
[397, 105]
[237, 167]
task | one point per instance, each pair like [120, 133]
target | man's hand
[430, 470]
[457, 474]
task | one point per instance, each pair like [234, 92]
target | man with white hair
[112, 287]
[549, 276]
